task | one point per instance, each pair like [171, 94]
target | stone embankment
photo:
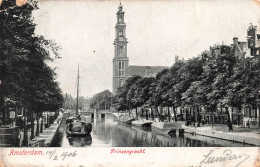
[243, 137]
[46, 138]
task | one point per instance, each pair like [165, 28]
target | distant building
[143, 71]
[249, 48]
[121, 68]
[253, 40]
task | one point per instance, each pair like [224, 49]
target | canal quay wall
[252, 138]
[47, 137]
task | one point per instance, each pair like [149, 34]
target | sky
[156, 31]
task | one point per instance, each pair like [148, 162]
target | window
[121, 65]
[120, 20]
[121, 38]
[121, 82]
[121, 49]
[120, 33]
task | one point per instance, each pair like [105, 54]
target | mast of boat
[77, 100]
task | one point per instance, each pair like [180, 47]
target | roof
[144, 71]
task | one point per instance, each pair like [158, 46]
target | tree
[101, 100]
[23, 61]
[122, 102]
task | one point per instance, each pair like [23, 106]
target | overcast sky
[156, 31]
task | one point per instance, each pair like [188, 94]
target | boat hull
[171, 129]
[125, 119]
[142, 123]
[87, 130]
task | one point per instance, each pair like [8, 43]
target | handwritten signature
[228, 155]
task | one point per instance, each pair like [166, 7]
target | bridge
[99, 111]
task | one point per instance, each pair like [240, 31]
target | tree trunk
[129, 108]
[32, 126]
[259, 114]
[199, 116]
[229, 120]
[41, 129]
[37, 126]
[186, 111]
[146, 115]
[152, 114]
[142, 112]
[159, 115]
[25, 137]
[169, 115]
[175, 115]
[136, 113]
[181, 110]
[47, 119]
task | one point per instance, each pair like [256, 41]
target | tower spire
[120, 60]
[120, 7]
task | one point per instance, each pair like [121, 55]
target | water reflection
[80, 141]
[107, 132]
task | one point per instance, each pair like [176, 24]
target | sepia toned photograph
[94, 74]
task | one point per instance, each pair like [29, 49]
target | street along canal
[107, 132]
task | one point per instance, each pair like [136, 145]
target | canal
[107, 132]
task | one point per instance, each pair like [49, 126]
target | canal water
[107, 132]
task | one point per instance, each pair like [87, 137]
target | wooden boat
[142, 123]
[78, 128]
[168, 128]
[71, 118]
[125, 119]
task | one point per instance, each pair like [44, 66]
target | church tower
[120, 60]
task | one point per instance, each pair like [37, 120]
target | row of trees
[101, 100]
[217, 78]
[26, 78]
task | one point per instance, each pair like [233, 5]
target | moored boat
[125, 119]
[78, 128]
[168, 128]
[142, 123]
[71, 118]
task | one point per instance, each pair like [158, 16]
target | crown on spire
[120, 7]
